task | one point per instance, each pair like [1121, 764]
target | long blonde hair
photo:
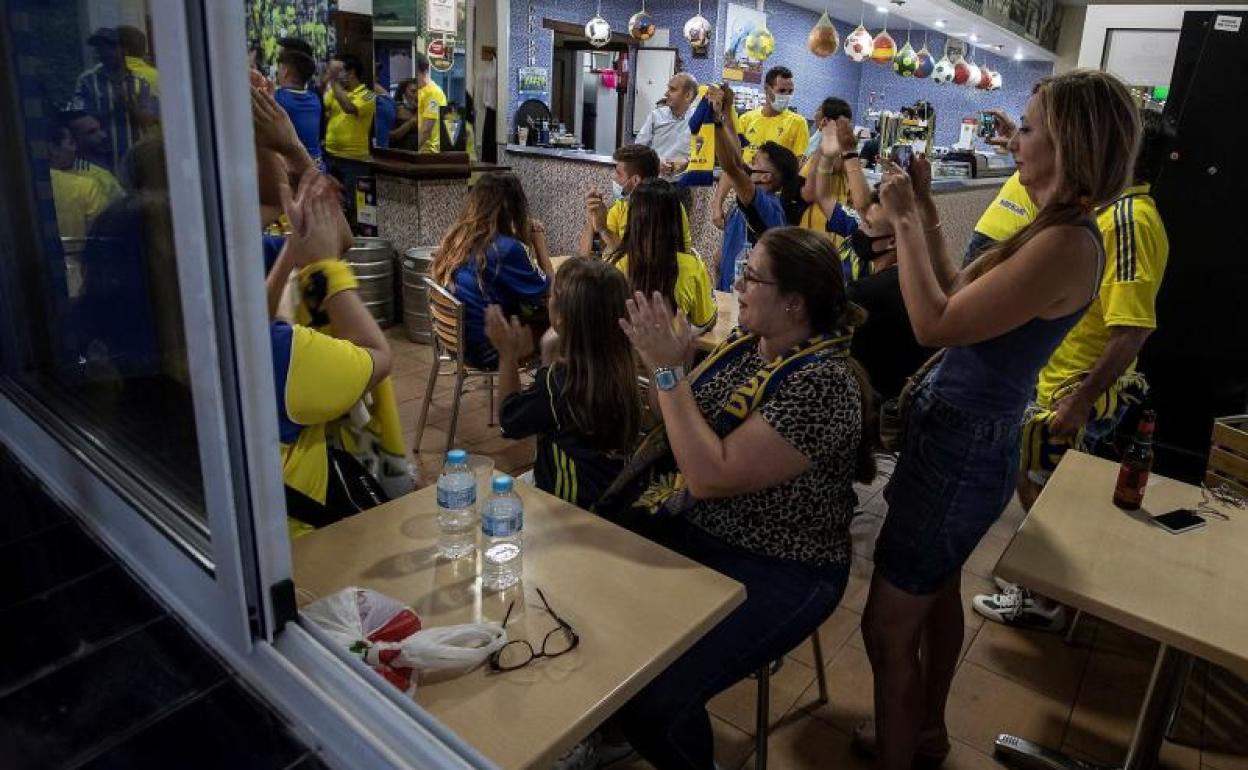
[495, 206]
[1095, 129]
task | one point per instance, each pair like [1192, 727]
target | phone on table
[902, 154]
[1179, 520]
[987, 125]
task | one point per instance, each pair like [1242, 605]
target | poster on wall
[440, 48]
[534, 82]
[271, 20]
[440, 16]
[738, 65]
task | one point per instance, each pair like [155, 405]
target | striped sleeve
[1138, 246]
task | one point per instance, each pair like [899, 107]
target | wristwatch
[666, 377]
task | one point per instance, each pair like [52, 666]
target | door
[655, 66]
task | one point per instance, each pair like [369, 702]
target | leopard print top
[818, 410]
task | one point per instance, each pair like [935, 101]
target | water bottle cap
[502, 484]
[457, 456]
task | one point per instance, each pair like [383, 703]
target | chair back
[446, 316]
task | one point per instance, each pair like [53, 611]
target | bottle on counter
[502, 521]
[1137, 463]
[457, 507]
[543, 134]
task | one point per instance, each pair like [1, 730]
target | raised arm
[727, 149]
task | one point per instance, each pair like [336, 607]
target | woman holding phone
[999, 319]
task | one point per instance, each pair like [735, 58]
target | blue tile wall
[815, 78]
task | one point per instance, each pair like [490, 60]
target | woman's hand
[272, 125]
[921, 176]
[896, 192]
[507, 336]
[1005, 128]
[318, 228]
[661, 339]
[715, 97]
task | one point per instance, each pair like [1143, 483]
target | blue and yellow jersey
[318, 378]
[347, 135]
[1136, 252]
[304, 109]
[787, 129]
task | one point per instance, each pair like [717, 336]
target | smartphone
[1179, 520]
[902, 154]
[987, 125]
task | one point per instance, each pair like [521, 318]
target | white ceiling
[959, 23]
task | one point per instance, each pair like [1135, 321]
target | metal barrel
[416, 265]
[372, 261]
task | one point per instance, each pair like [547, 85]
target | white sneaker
[1004, 585]
[1015, 606]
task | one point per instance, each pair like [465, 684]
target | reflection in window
[89, 265]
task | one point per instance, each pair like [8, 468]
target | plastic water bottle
[502, 519]
[457, 506]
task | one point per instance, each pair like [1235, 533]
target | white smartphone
[1179, 520]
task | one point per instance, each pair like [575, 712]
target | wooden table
[636, 606]
[725, 319]
[1185, 591]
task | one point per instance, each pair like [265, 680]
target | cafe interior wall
[815, 78]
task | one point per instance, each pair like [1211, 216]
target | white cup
[483, 468]
[522, 134]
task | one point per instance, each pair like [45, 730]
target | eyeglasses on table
[519, 653]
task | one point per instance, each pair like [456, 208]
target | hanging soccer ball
[906, 61]
[759, 44]
[942, 73]
[883, 48]
[985, 78]
[923, 68]
[698, 33]
[961, 72]
[641, 26]
[823, 40]
[972, 75]
[858, 44]
[996, 82]
[598, 32]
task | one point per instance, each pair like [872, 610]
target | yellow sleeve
[617, 218]
[365, 104]
[326, 376]
[685, 231]
[693, 290]
[436, 99]
[1136, 250]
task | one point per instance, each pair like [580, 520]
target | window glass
[89, 280]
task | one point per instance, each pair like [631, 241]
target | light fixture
[1018, 55]
[974, 38]
[957, 34]
[881, 9]
[940, 23]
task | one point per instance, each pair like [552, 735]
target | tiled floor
[1081, 697]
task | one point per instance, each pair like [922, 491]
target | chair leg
[424, 408]
[762, 718]
[821, 676]
[459, 394]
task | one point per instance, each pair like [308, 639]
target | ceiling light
[1018, 55]
[958, 34]
[974, 38]
[881, 9]
[940, 23]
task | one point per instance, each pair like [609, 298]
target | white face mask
[780, 102]
[617, 191]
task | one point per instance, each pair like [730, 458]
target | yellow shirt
[1011, 211]
[428, 101]
[617, 219]
[787, 129]
[142, 69]
[102, 176]
[1136, 251]
[78, 201]
[347, 135]
[693, 288]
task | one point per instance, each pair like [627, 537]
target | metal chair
[446, 317]
[762, 720]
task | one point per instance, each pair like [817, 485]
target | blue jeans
[953, 479]
[785, 602]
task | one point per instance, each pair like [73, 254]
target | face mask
[864, 245]
[617, 191]
[780, 102]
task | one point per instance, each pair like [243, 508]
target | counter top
[559, 153]
[945, 184]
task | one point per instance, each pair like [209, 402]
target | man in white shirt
[666, 130]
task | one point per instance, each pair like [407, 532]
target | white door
[655, 66]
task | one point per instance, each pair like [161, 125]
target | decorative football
[942, 73]
[823, 40]
[883, 48]
[598, 32]
[641, 26]
[698, 32]
[985, 78]
[858, 44]
[759, 44]
[996, 81]
[973, 75]
[906, 61]
[961, 72]
[923, 68]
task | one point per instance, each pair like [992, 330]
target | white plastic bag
[387, 635]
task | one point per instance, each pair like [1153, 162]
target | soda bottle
[502, 519]
[457, 506]
[1137, 462]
